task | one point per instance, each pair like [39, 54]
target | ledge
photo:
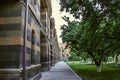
[19, 71]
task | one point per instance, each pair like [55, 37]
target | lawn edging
[74, 72]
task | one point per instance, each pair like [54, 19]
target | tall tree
[97, 33]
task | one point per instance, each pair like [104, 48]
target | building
[64, 52]
[54, 44]
[28, 42]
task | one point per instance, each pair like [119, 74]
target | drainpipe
[25, 3]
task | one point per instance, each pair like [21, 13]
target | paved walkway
[61, 71]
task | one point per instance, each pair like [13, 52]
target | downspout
[25, 3]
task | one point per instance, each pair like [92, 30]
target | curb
[74, 72]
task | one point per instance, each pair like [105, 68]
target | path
[61, 71]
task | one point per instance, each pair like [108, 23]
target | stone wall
[12, 17]
[41, 46]
[11, 40]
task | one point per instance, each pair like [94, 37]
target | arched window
[33, 47]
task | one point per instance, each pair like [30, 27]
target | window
[33, 47]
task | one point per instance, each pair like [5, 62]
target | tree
[97, 33]
[79, 37]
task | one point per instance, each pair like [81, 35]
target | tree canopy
[98, 31]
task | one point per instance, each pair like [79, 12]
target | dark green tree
[97, 33]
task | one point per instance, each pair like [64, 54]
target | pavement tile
[61, 71]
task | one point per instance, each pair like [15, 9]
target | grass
[88, 71]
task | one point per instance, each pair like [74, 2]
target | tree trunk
[98, 68]
[97, 61]
[116, 59]
[98, 65]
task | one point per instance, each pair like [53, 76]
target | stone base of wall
[45, 66]
[32, 73]
[10, 78]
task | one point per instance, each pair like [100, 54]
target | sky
[58, 17]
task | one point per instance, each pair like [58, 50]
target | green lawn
[88, 71]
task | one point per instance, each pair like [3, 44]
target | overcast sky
[58, 17]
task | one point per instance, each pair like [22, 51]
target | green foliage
[73, 57]
[98, 32]
[88, 71]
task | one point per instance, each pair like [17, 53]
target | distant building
[64, 52]
[28, 40]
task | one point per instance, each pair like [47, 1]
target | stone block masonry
[41, 49]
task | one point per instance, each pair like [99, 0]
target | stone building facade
[28, 40]
[64, 52]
